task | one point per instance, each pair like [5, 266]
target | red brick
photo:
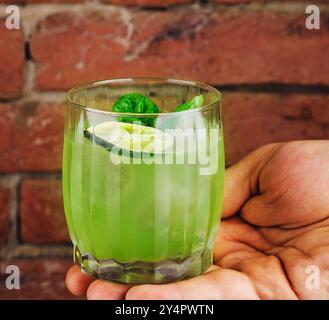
[219, 47]
[4, 213]
[32, 137]
[39, 279]
[42, 213]
[149, 3]
[24, 126]
[259, 1]
[11, 61]
[39, 1]
[252, 120]
[233, 1]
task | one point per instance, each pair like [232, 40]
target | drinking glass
[143, 192]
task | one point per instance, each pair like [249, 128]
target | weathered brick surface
[39, 279]
[213, 43]
[32, 136]
[149, 3]
[4, 213]
[214, 46]
[232, 1]
[252, 120]
[42, 214]
[39, 1]
[261, 1]
[11, 61]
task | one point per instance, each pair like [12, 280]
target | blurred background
[273, 73]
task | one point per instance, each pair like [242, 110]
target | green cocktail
[141, 205]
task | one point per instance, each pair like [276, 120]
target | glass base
[138, 272]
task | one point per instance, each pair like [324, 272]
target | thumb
[242, 179]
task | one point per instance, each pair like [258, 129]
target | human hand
[275, 225]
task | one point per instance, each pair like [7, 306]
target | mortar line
[18, 213]
[32, 175]
[11, 183]
[275, 88]
[46, 97]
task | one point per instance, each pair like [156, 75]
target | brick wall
[274, 75]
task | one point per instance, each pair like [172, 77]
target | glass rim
[94, 84]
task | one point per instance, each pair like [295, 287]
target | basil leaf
[172, 122]
[194, 103]
[136, 103]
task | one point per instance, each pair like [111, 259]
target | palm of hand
[282, 233]
[275, 227]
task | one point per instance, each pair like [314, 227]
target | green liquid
[138, 212]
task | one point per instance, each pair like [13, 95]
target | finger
[241, 180]
[77, 282]
[106, 290]
[219, 284]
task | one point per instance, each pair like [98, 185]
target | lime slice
[129, 137]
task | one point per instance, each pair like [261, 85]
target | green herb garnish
[136, 103]
[194, 103]
[139, 103]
